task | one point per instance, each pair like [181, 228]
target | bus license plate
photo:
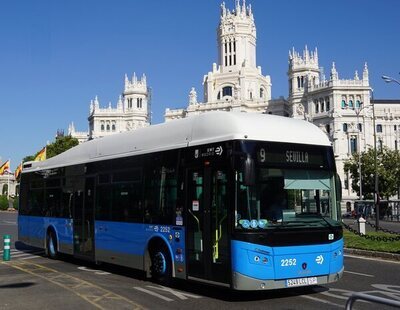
[301, 281]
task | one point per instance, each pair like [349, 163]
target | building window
[316, 106]
[102, 127]
[351, 104]
[113, 127]
[219, 95]
[108, 127]
[359, 127]
[358, 104]
[353, 145]
[327, 104]
[139, 102]
[343, 104]
[379, 128]
[298, 82]
[395, 127]
[227, 91]
[261, 93]
[321, 102]
[328, 128]
[345, 127]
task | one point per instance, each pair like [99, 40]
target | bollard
[7, 243]
[361, 225]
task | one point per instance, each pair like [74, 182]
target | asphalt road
[32, 281]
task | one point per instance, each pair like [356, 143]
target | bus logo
[319, 260]
[219, 150]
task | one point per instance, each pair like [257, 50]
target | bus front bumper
[245, 283]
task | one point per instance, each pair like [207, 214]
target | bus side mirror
[338, 187]
[249, 171]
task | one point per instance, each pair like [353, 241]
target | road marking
[373, 258]
[360, 274]
[180, 295]
[95, 295]
[99, 272]
[322, 300]
[152, 293]
[17, 254]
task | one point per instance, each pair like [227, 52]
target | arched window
[359, 127]
[358, 104]
[345, 127]
[108, 127]
[353, 145]
[102, 127]
[379, 128]
[328, 107]
[343, 103]
[351, 104]
[227, 91]
[328, 128]
[321, 102]
[316, 106]
[113, 127]
[251, 95]
[261, 93]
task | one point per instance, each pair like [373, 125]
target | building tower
[303, 73]
[236, 82]
[132, 110]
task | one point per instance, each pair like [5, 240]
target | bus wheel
[161, 265]
[51, 245]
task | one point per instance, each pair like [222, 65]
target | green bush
[3, 202]
[16, 203]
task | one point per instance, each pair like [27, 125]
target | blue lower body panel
[261, 267]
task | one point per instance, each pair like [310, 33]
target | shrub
[3, 202]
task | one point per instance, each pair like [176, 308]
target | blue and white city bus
[246, 201]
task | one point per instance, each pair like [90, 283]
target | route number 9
[262, 155]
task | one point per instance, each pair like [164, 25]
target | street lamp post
[389, 79]
[376, 200]
[358, 111]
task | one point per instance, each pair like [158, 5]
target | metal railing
[360, 296]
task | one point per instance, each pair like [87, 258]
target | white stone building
[132, 111]
[236, 83]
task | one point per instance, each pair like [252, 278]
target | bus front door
[207, 232]
[84, 219]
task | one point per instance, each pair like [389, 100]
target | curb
[375, 254]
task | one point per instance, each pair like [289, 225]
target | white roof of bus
[205, 128]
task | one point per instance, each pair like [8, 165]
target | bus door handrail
[197, 220]
[380, 300]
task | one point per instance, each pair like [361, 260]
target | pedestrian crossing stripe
[17, 254]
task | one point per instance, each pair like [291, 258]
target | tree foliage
[388, 168]
[60, 145]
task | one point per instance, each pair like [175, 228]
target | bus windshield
[285, 198]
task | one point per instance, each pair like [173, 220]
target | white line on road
[322, 300]
[152, 293]
[372, 258]
[360, 274]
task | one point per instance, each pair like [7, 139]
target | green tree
[61, 144]
[388, 167]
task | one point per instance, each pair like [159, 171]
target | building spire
[334, 74]
[365, 72]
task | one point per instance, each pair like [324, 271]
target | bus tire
[161, 264]
[51, 245]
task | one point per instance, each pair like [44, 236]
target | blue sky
[55, 56]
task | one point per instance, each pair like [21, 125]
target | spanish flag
[41, 155]
[18, 171]
[5, 167]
